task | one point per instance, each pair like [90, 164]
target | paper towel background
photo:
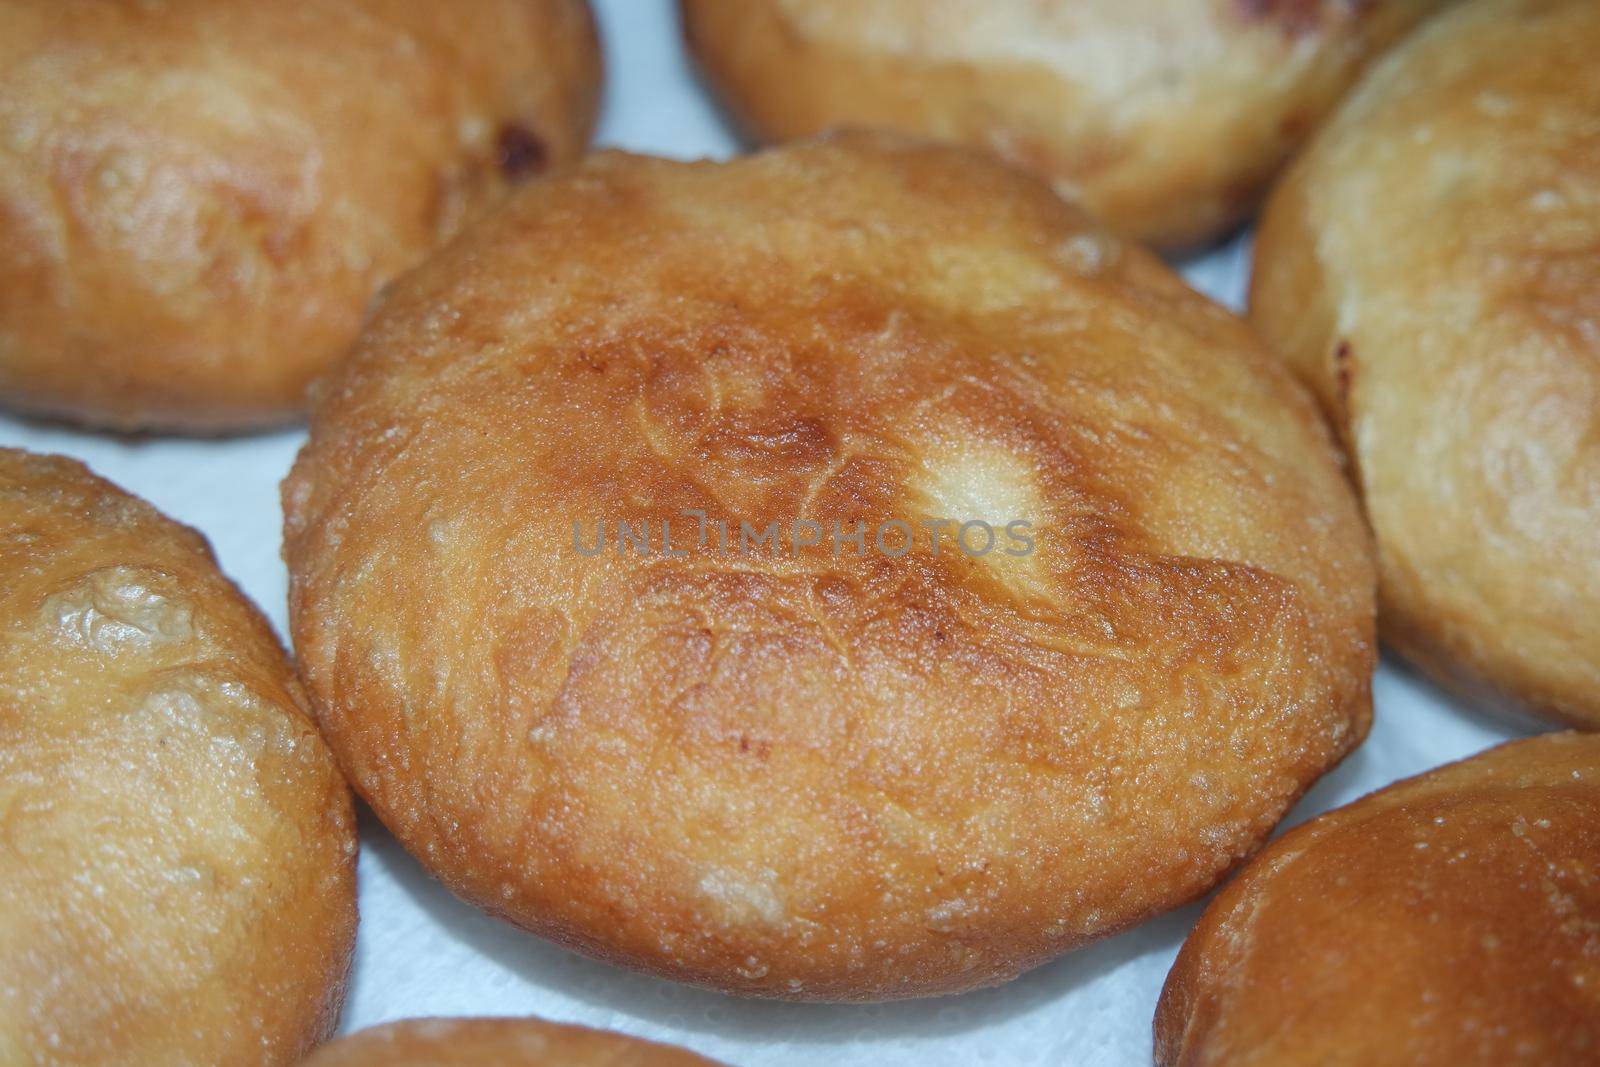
[421, 952]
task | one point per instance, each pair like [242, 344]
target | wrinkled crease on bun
[789, 771]
[1165, 119]
[177, 847]
[1451, 920]
[199, 198]
[1431, 267]
[497, 1043]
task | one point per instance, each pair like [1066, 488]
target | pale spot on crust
[734, 385]
[997, 280]
[1547, 200]
[113, 609]
[741, 900]
[754, 968]
[1088, 253]
[970, 480]
[187, 707]
[949, 915]
[980, 481]
[1494, 104]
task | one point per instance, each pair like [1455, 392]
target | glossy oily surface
[199, 198]
[422, 952]
[1450, 920]
[177, 850]
[718, 765]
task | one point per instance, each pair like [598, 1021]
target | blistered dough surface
[1166, 118]
[1451, 920]
[1432, 268]
[177, 850]
[796, 772]
[199, 198]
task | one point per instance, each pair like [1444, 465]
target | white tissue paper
[422, 952]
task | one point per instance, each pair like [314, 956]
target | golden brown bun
[198, 198]
[778, 772]
[1450, 920]
[177, 849]
[1164, 117]
[1432, 268]
[497, 1043]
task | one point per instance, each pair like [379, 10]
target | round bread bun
[497, 1043]
[1432, 268]
[199, 198]
[177, 848]
[1447, 921]
[1166, 118]
[792, 765]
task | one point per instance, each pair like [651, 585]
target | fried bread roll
[1432, 268]
[1165, 117]
[199, 198]
[177, 848]
[1451, 920]
[832, 739]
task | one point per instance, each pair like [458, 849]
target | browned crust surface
[177, 848]
[793, 774]
[198, 198]
[1451, 920]
[1166, 119]
[1432, 268]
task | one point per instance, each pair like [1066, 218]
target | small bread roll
[177, 848]
[843, 760]
[199, 198]
[1164, 117]
[1451, 920]
[497, 1043]
[1432, 268]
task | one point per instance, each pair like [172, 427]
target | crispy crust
[497, 1043]
[177, 848]
[199, 198]
[1432, 268]
[1450, 920]
[1166, 119]
[791, 774]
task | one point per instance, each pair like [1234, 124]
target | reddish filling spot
[759, 748]
[1297, 17]
[1343, 371]
[518, 152]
